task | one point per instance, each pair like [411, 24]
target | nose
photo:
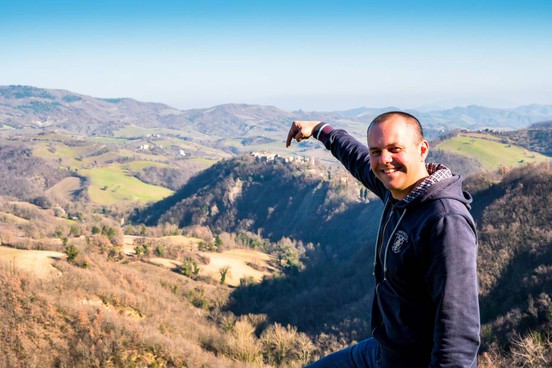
[385, 157]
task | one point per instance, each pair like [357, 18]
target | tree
[72, 252]
[189, 267]
[224, 271]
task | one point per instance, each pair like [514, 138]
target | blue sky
[311, 55]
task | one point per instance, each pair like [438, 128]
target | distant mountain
[238, 120]
[30, 107]
[25, 106]
[470, 117]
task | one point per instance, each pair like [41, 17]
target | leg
[362, 355]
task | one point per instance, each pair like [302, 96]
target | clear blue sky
[313, 55]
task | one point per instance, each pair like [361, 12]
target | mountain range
[32, 107]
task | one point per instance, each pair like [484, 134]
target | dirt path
[32, 262]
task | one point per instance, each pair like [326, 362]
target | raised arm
[349, 151]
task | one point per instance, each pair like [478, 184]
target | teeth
[389, 171]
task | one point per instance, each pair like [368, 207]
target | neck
[402, 194]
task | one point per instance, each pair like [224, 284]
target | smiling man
[425, 310]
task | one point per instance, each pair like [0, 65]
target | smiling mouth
[389, 171]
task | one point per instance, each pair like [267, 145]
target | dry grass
[124, 312]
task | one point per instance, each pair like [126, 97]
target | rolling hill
[491, 152]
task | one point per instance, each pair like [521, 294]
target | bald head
[413, 123]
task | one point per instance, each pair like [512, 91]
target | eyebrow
[387, 146]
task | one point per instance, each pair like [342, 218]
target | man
[425, 310]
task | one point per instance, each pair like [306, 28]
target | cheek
[373, 164]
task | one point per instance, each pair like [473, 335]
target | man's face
[397, 155]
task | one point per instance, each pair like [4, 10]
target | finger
[290, 136]
[292, 132]
[299, 136]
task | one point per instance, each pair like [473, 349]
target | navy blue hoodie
[425, 310]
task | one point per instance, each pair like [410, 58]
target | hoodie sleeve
[451, 279]
[354, 155]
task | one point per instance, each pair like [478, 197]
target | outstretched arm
[349, 151]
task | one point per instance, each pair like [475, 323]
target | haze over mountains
[25, 106]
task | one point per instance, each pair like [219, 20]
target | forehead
[395, 130]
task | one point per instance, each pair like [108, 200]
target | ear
[424, 150]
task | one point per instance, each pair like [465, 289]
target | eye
[374, 153]
[395, 149]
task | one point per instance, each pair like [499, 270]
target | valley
[136, 234]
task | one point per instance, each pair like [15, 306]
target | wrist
[320, 130]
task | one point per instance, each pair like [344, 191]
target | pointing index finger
[292, 133]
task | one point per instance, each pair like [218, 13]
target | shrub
[72, 252]
[243, 345]
[531, 351]
[284, 346]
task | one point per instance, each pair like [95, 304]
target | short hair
[411, 119]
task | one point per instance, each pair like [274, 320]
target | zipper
[381, 323]
[379, 236]
[380, 246]
[388, 243]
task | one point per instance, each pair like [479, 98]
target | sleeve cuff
[321, 130]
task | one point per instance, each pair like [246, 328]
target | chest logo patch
[401, 238]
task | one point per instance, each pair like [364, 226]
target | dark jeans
[365, 354]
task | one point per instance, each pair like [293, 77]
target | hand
[300, 130]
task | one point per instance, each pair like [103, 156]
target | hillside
[490, 151]
[537, 137]
[330, 293]
[279, 198]
[515, 256]
[282, 202]
[74, 295]
[26, 177]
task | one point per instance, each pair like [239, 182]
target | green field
[139, 165]
[108, 140]
[131, 131]
[112, 184]
[62, 154]
[490, 153]
[134, 131]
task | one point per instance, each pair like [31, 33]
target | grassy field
[62, 154]
[139, 165]
[490, 152]
[112, 184]
[108, 140]
[134, 131]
